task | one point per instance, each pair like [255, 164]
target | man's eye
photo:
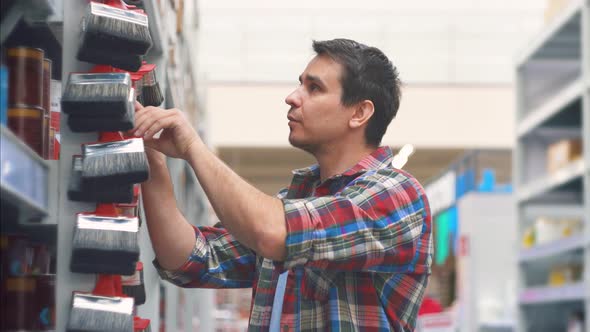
[313, 87]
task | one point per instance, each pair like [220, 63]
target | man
[347, 246]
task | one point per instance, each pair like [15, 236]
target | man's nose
[293, 99]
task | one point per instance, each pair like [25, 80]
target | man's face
[316, 117]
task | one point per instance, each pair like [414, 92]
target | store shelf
[558, 39]
[23, 178]
[562, 246]
[554, 211]
[551, 108]
[553, 75]
[543, 185]
[546, 184]
[548, 295]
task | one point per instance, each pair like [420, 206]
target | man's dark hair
[368, 75]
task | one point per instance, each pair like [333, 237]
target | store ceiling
[269, 169]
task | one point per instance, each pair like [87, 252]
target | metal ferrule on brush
[125, 146]
[119, 223]
[100, 9]
[100, 78]
[122, 305]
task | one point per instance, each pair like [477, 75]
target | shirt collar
[380, 158]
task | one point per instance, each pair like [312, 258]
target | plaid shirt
[359, 251]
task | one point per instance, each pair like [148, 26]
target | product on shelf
[105, 242]
[106, 309]
[85, 124]
[562, 153]
[562, 274]
[572, 227]
[17, 255]
[80, 192]
[97, 94]
[27, 124]
[28, 94]
[133, 285]
[546, 230]
[27, 288]
[113, 26]
[129, 62]
[528, 238]
[151, 92]
[113, 161]
[25, 65]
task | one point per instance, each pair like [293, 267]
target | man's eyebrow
[312, 78]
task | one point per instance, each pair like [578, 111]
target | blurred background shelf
[551, 169]
[572, 174]
[572, 243]
[544, 295]
[555, 41]
[552, 112]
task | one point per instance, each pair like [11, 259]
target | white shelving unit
[42, 207]
[552, 295]
[553, 103]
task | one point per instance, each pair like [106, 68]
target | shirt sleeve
[380, 222]
[218, 260]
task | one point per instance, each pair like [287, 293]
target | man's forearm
[173, 238]
[255, 219]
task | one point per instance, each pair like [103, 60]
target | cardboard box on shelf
[561, 153]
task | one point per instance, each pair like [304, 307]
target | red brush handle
[110, 136]
[103, 69]
[106, 210]
[108, 285]
[116, 3]
[140, 324]
[121, 5]
[146, 67]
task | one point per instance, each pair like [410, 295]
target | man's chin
[301, 145]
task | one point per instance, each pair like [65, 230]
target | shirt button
[285, 328]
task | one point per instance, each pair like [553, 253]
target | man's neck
[335, 160]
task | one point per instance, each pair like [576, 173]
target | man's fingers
[146, 118]
[158, 124]
[146, 112]
[138, 106]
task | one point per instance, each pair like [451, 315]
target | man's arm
[255, 219]
[173, 238]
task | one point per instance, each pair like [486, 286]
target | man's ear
[362, 113]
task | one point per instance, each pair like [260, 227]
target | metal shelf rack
[51, 216]
[553, 103]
